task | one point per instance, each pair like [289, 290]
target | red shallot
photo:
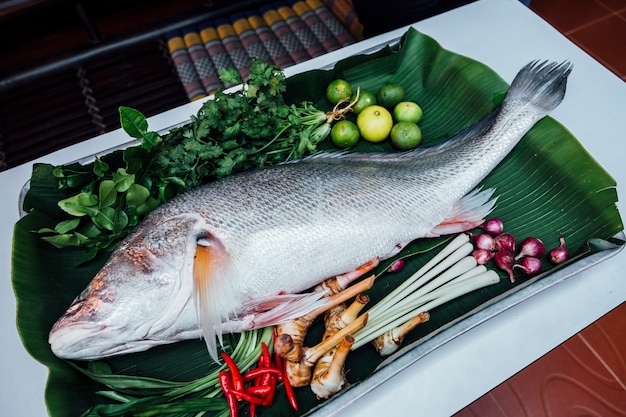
[493, 226]
[504, 260]
[482, 256]
[531, 246]
[396, 266]
[485, 241]
[560, 254]
[529, 265]
[505, 242]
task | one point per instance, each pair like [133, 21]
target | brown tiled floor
[586, 375]
[597, 26]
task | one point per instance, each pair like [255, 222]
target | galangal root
[389, 342]
[328, 376]
[289, 343]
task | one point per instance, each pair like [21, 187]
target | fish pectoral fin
[469, 212]
[272, 310]
[212, 292]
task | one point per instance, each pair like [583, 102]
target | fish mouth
[87, 341]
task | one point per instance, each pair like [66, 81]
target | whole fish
[237, 253]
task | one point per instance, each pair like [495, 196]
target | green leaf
[105, 218]
[133, 122]
[80, 205]
[229, 76]
[100, 167]
[123, 180]
[136, 195]
[66, 226]
[62, 240]
[120, 221]
[150, 140]
[150, 204]
[107, 194]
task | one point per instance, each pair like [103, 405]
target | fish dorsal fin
[469, 212]
[212, 291]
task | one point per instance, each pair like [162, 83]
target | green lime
[406, 135]
[389, 95]
[407, 111]
[374, 123]
[345, 134]
[338, 90]
[366, 98]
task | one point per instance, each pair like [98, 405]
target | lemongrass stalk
[414, 303]
[438, 297]
[448, 256]
[411, 301]
[463, 266]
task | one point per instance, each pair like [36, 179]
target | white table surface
[504, 35]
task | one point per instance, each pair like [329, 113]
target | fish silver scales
[233, 254]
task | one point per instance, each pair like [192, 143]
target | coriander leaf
[229, 76]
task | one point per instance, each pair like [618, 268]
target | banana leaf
[548, 186]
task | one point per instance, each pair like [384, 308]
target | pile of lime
[378, 116]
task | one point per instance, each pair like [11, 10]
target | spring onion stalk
[176, 395]
[451, 273]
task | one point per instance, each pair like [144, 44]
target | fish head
[140, 298]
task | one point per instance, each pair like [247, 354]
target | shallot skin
[529, 265]
[504, 260]
[396, 266]
[505, 242]
[531, 246]
[485, 241]
[493, 226]
[482, 256]
[559, 254]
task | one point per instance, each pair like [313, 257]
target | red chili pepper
[289, 390]
[227, 386]
[248, 397]
[238, 383]
[269, 398]
[267, 359]
[259, 390]
[252, 409]
[259, 372]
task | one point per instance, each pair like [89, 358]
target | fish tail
[540, 83]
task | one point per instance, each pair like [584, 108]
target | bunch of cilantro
[235, 131]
